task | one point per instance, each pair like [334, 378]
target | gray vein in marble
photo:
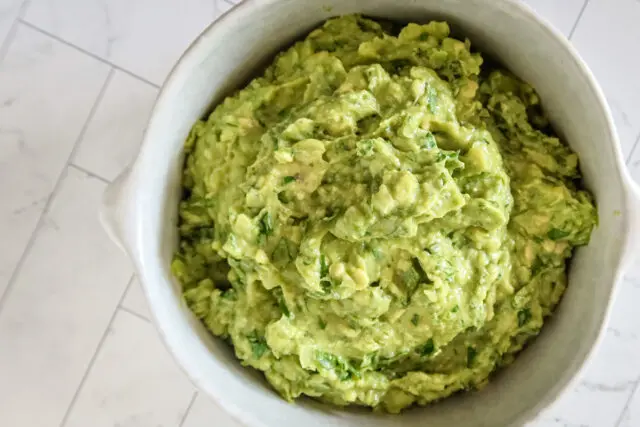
[17, 135]
[564, 423]
[22, 209]
[608, 388]
[111, 38]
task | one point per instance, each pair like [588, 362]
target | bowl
[140, 207]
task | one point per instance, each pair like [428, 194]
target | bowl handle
[114, 212]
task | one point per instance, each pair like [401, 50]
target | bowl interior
[229, 53]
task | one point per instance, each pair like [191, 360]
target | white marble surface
[77, 81]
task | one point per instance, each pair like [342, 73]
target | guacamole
[379, 219]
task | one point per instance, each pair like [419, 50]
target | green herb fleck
[324, 268]
[536, 266]
[326, 360]
[288, 179]
[322, 324]
[424, 37]
[397, 65]
[258, 345]
[523, 317]
[265, 224]
[282, 304]
[415, 319]
[325, 285]
[343, 369]
[447, 155]
[427, 348]
[557, 234]
[432, 99]
[377, 253]
[455, 309]
[229, 294]
[364, 148]
[471, 356]
[429, 141]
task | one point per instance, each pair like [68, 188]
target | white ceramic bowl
[141, 206]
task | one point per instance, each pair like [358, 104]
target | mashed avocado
[379, 219]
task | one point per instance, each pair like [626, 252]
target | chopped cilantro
[415, 319]
[523, 317]
[343, 369]
[427, 348]
[557, 234]
[282, 304]
[429, 141]
[536, 266]
[258, 345]
[322, 324]
[471, 356]
[324, 268]
[265, 224]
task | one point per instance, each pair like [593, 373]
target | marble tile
[205, 412]
[562, 14]
[145, 37]
[631, 416]
[633, 273]
[46, 93]
[585, 406]
[115, 131]
[611, 376]
[634, 165]
[610, 55]
[134, 382]
[136, 301]
[627, 125]
[59, 307]
[9, 10]
[615, 365]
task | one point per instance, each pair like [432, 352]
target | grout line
[88, 172]
[13, 30]
[633, 149]
[129, 285]
[86, 52]
[23, 9]
[133, 313]
[105, 334]
[54, 192]
[11, 35]
[186, 413]
[128, 310]
[575, 25]
[626, 406]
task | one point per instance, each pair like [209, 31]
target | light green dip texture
[377, 220]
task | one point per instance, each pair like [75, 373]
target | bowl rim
[234, 14]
